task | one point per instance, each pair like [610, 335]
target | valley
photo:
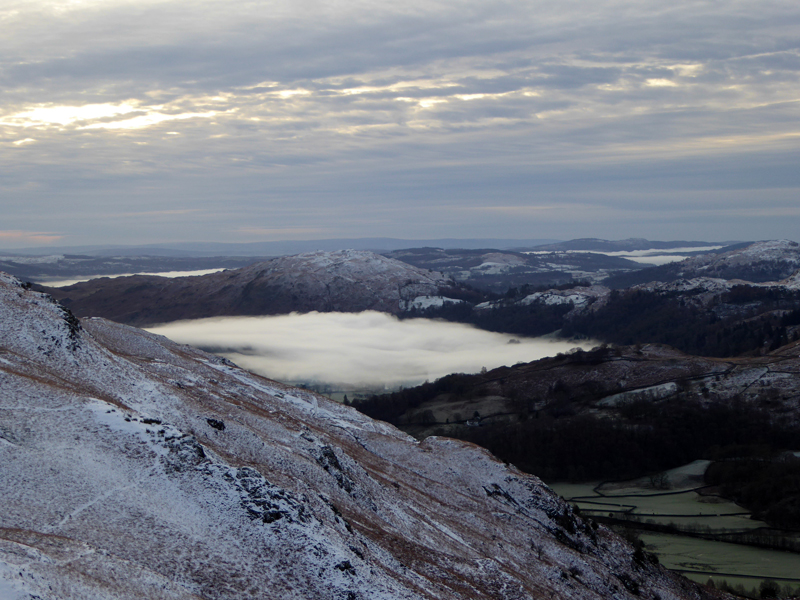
[697, 360]
[703, 526]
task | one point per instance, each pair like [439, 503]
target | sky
[147, 121]
[367, 349]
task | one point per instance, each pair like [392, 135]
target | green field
[685, 505]
[700, 559]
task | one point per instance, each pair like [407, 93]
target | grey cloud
[595, 128]
[569, 77]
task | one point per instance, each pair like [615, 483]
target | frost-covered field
[737, 565]
[682, 506]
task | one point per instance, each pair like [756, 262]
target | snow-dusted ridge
[133, 467]
[339, 281]
[703, 278]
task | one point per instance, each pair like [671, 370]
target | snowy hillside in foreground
[132, 467]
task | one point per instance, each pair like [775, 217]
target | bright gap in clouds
[65, 115]
[365, 350]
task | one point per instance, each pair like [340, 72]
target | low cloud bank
[368, 349]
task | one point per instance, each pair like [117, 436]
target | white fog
[364, 350]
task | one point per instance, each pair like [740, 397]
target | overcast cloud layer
[369, 349]
[154, 120]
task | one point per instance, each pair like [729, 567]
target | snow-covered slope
[498, 271]
[582, 298]
[699, 291]
[344, 280]
[758, 262]
[132, 467]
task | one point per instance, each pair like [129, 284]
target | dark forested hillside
[742, 320]
[609, 413]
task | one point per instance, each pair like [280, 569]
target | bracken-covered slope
[344, 280]
[132, 467]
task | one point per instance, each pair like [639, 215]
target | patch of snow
[702, 284]
[579, 297]
[154, 433]
[422, 302]
[657, 259]
[655, 392]
[12, 587]
[552, 298]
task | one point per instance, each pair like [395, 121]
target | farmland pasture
[687, 507]
[700, 559]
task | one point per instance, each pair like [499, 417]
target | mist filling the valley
[358, 351]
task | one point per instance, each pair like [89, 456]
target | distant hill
[66, 266]
[498, 270]
[699, 307]
[757, 262]
[346, 280]
[629, 245]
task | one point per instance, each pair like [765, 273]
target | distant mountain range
[700, 294]
[712, 305]
[629, 245]
[56, 267]
[489, 264]
[203, 249]
[132, 467]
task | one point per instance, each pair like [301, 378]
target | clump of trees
[744, 320]
[664, 436]
[390, 407]
[558, 443]
[768, 588]
[529, 320]
[768, 487]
